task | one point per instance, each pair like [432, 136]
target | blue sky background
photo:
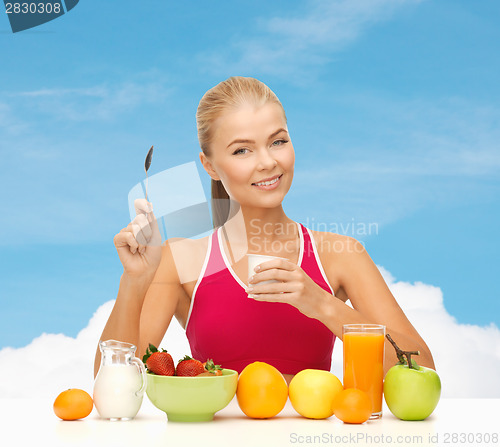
[393, 108]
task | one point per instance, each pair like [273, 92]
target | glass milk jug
[120, 383]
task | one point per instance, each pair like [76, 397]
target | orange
[312, 392]
[73, 404]
[352, 406]
[262, 390]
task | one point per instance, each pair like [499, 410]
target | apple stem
[402, 354]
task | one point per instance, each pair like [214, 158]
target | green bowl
[192, 399]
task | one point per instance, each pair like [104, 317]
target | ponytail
[220, 204]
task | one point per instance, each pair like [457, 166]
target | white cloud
[467, 357]
[9, 123]
[103, 101]
[434, 151]
[446, 136]
[52, 363]
[99, 102]
[291, 45]
[98, 91]
[332, 23]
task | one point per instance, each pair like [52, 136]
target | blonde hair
[229, 94]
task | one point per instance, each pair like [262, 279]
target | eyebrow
[252, 141]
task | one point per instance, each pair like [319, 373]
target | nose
[266, 160]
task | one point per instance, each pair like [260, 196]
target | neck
[252, 227]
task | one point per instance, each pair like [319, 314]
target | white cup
[255, 260]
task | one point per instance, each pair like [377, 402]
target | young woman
[290, 323]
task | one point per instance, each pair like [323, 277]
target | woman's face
[251, 153]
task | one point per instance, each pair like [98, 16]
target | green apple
[411, 392]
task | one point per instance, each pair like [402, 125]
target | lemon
[312, 392]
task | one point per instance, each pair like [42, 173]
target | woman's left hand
[295, 287]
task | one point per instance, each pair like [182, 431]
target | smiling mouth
[269, 182]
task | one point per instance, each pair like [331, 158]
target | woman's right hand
[139, 244]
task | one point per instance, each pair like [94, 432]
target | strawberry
[189, 367]
[159, 362]
[211, 369]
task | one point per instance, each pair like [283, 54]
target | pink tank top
[234, 330]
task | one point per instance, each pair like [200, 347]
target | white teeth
[270, 182]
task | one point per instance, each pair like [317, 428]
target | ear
[208, 166]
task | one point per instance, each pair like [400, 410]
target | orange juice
[364, 365]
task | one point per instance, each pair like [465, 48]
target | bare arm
[123, 323]
[161, 301]
[372, 302]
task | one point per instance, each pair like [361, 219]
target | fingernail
[251, 295]
[256, 269]
[251, 278]
[249, 289]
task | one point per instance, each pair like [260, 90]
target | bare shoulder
[341, 256]
[187, 255]
[332, 246]
[345, 258]
[191, 246]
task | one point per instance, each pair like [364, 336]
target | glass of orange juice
[364, 361]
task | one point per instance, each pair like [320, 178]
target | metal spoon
[147, 164]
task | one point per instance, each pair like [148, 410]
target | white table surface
[465, 422]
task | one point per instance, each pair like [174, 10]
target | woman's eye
[240, 151]
[279, 142]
